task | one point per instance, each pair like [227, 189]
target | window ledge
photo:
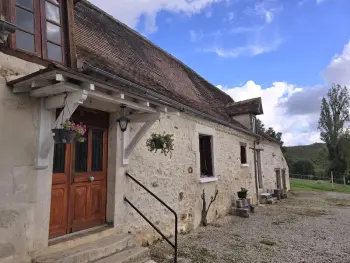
[204, 180]
[244, 165]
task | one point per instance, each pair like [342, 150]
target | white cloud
[295, 110]
[130, 11]
[195, 36]
[253, 49]
[267, 9]
[338, 71]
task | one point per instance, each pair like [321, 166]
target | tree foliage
[304, 167]
[269, 132]
[334, 114]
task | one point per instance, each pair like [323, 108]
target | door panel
[78, 198]
[97, 201]
[58, 213]
[88, 180]
[59, 192]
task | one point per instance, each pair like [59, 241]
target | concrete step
[88, 252]
[131, 255]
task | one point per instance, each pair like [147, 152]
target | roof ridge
[89, 4]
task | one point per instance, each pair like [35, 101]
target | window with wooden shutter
[39, 28]
[206, 157]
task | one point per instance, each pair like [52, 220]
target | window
[206, 157]
[39, 29]
[243, 154]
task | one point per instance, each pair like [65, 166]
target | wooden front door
[78, 197]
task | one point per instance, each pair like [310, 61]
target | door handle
[91, 179]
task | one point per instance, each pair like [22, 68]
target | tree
[260, 126]
[270, 132]
[334, 114]
[304, 167]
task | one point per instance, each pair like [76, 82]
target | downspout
[256, 173]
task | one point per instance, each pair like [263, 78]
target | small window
[206, 157]
[243, 154]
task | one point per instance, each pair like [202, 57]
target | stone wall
[22, 221]
[170, 179]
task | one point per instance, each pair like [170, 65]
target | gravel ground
[306, 227]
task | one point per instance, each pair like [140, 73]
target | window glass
[52, 12]
[25, 19]
[59, 158]
[25, 41]
[97, 150]
[243, 154]
[205, 151]
[56, 2]
[53, 33]
[81, 155]
[54, 52]
[25, 3]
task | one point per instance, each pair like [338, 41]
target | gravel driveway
[306, 227]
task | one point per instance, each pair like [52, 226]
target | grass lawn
[313, 185]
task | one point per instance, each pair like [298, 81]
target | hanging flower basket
[63, 136]
[163, 142]
[69, 132]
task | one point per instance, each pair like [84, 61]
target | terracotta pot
[63, 136]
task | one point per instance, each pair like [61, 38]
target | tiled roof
[110, 45]
[253, 106]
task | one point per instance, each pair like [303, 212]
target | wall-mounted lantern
[123, 121]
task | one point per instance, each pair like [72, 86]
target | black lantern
[123, 121]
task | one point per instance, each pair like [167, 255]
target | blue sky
[282, 50]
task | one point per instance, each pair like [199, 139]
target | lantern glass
[123, 123]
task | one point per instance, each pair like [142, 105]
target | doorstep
[87, 251]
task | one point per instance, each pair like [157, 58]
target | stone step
[131, 255]
[90, 251]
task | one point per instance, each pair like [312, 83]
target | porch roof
[115, 89]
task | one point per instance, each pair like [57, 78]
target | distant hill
[315, 153]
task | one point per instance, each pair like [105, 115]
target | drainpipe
[256, 173]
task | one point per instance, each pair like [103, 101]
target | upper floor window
[40, 29]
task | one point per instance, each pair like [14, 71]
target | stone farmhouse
[67, 59]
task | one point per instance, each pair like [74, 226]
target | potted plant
[163, 142]
[69, 132]
[243, 193]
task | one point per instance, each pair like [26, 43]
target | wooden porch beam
[145, 117]
[54, 89]
[128, 103]
[138, 136]
[55, 102]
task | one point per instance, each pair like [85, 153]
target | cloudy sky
[289, 52]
